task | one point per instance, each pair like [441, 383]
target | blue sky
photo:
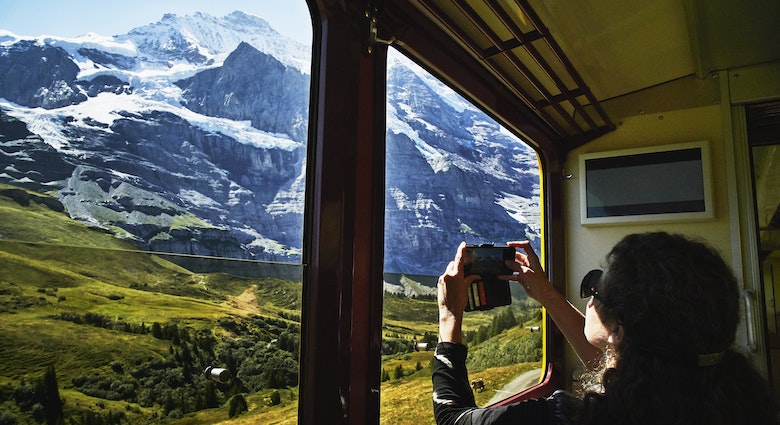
[69, 18]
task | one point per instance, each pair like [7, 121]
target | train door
[764, 140]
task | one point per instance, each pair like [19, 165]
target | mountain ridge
[144, 136]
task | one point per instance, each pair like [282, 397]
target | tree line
[41, 399]
[261, 353]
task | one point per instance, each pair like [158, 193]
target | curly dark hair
[676, 299]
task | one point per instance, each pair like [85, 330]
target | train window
[763, 124]
[452, 174]
[151, 210]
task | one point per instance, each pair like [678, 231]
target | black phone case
[488, 293]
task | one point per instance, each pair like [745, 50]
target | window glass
[152, 163]
[452, 174]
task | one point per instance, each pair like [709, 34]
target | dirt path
[246, 302]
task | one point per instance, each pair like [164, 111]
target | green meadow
[126, 334]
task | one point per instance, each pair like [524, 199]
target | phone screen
[488, 261]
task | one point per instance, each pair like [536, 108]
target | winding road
[518, 384]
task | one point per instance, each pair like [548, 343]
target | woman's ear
[615, 335]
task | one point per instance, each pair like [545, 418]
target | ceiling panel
[563, 58]
[621, 46]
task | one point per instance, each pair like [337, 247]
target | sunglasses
[589, 285]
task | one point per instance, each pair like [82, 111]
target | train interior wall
[686, 110]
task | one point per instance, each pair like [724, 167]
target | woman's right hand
[529, 272]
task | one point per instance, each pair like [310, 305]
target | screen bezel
[635, 155]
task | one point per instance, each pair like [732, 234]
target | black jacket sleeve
[453, 400]
[452, 396]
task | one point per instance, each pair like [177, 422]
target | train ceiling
[564, 59]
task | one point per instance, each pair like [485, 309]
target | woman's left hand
[453, 298]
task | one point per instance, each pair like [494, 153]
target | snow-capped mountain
[188, 135]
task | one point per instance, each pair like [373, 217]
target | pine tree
[275, 398]
[52, 402]
[399, 372]
[238, 405]
[157, 330]
[211, 395]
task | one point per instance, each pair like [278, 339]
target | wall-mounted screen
[662, 183]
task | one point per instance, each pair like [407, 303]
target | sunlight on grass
[47, 290]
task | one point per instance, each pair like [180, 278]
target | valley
[129, 333]
[152, 196]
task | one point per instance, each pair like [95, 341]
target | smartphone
[488, 262]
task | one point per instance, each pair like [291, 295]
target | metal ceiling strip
[539, 25]
[457, 31]
[517, 32]
[445, 21]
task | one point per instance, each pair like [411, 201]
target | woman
[658, 333]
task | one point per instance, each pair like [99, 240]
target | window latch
[371, 15]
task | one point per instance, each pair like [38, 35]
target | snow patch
[105, 107]
[523, 210]
[197, 198]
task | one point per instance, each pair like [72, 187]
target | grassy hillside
[129, 333]
[503, 354]
[101, 313]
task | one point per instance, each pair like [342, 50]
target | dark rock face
[105, 84]
[11, 128]
[252, 86]
[26, 159]
[39, 76]
[156, 170]
[108, 59]
[22, 197]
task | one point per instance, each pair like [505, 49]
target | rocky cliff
[206, 155]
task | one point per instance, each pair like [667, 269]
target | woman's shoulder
[564, 407]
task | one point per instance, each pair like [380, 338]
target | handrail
[749, 296]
